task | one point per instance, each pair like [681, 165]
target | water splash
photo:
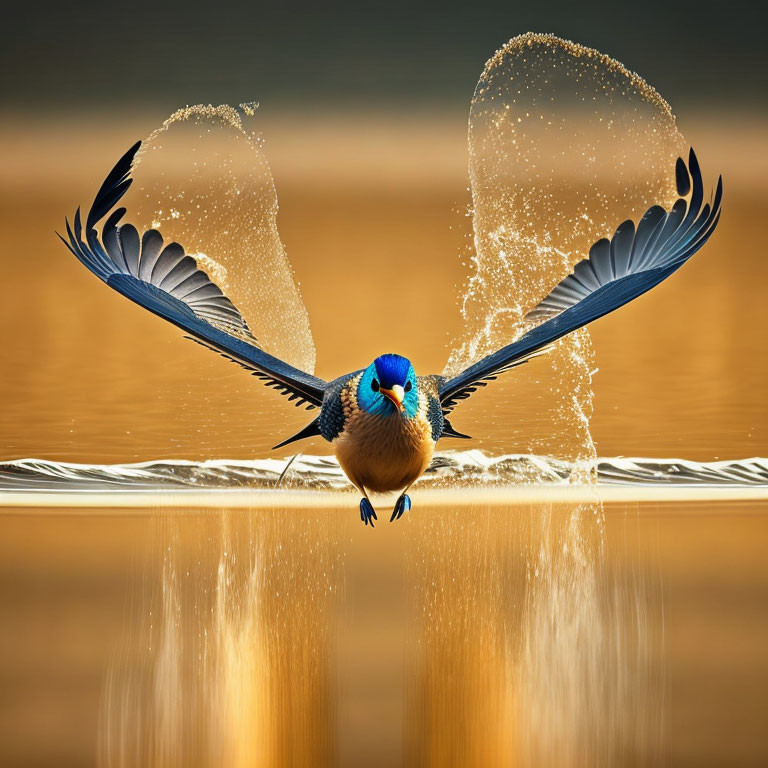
[449, 470]
[204, 181]
[565, 143]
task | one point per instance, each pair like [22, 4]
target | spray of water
[204, 181]
[564, 143]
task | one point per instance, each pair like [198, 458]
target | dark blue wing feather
[113, 187]
[166, 281]
[617, 271]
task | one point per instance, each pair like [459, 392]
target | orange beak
[395, 394]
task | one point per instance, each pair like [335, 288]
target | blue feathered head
[389, 385]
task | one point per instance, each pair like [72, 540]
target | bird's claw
[402, 505]
[367, 512]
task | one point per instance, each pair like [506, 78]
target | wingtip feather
[693, 164]
[114, 186]
[682, 177]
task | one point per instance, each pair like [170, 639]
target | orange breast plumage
[383, 453]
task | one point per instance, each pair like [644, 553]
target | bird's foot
[403, 504]
[367, 512]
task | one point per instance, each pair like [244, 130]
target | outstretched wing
[167, 281]
[618, 270]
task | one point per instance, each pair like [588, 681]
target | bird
[383, 421]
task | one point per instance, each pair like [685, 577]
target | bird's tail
[449, 431]
[311, 430]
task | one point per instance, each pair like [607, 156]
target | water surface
[538, 633]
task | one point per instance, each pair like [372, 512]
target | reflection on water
[548, 633]
[227, 658]
[587, 692]
[532, 646]
[524, 649]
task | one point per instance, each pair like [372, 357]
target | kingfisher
[383, 421]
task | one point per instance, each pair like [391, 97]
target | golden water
[466, 635]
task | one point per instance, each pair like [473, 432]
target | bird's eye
[408, 386]
[375, 385]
